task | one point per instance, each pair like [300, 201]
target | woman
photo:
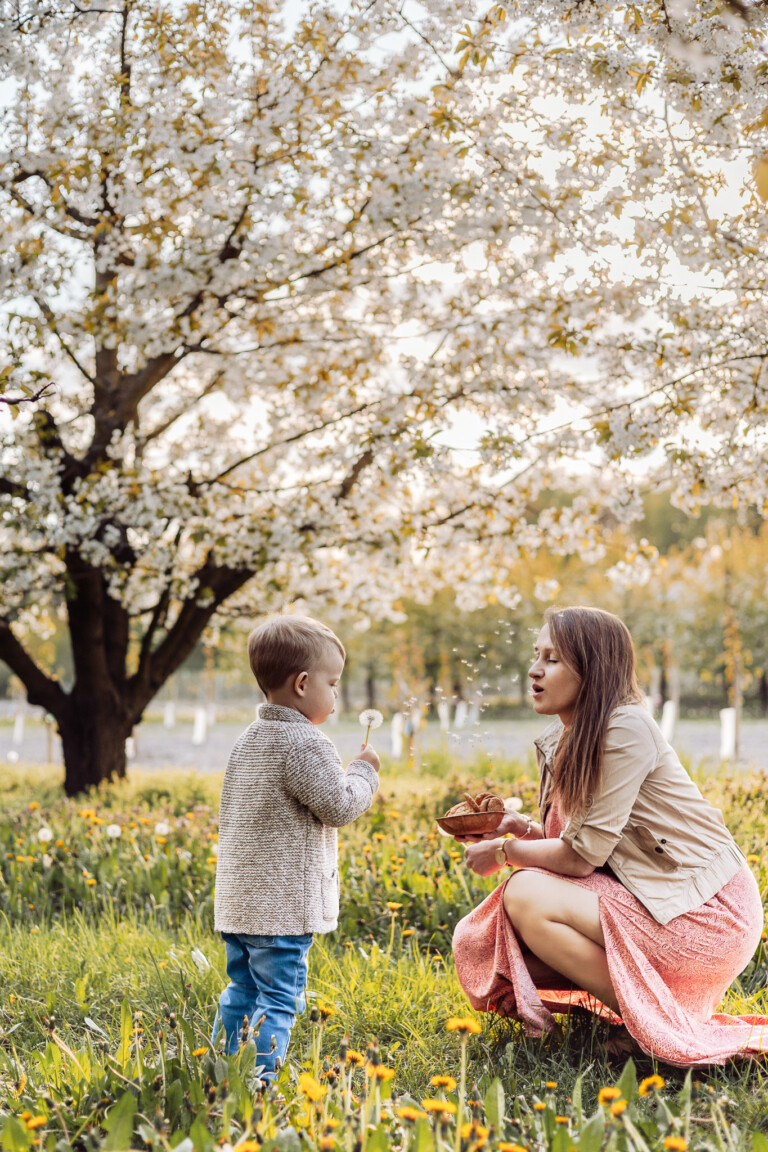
[631, 897]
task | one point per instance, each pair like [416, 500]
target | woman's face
[555, 686]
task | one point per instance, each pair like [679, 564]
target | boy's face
[318, 689]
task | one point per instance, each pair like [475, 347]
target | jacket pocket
[655, 846]
[330, 892]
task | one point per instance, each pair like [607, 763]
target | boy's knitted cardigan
[284, 795]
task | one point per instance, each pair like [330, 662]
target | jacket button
[659, 849]
[663, 840]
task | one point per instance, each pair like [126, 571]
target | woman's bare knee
[522, 896]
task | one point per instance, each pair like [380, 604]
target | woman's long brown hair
[597, 646]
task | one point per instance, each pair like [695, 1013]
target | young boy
[284, 795]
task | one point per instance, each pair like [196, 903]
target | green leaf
[422, 1138]
[578, 1112]
[288, 1140]
[494, 1104]
[759, 1142]
[627, 1082]
[591, 1137]
[684, 1097]
[200, 1136]
[119, 1123]
[126, 1024]
[173, 1099]
[378, 1141]
[16, 1137]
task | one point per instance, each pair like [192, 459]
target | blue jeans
[268, 977]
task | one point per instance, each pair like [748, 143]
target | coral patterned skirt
[669, 979]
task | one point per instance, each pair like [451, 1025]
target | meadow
[110, 971]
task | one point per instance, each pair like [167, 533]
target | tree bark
[93, 735]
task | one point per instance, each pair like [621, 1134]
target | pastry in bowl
[473, 816]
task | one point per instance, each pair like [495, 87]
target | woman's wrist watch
[501, 855]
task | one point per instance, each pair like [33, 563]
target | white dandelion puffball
[513, 804]
[162, 829]
[114, 831]
[370, 718]
[44, 835]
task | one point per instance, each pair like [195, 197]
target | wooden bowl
[470, 823]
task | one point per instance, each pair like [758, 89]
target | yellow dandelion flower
[443, 1106]
[326, 1143]
[476, 1132]
[650, 1083]
[446, 1082]
[408, 1113]
[379, 1071]
[551, 1084]
[354, 1057]
[25, 1115]
[326, 1011]
[504, 1146]
[36, 1122]
[34, 805]
[90, 881]
[753, 859]
[462, 1024]
[310, 1087]
[605, 1095]
[249, 1146]
[538, 1106]
[408, 932]
[675, 1144]
[200, 1051]
[561, 1119]
[331, 1123]
[378, 836]
[618, 1107]
[393, 907]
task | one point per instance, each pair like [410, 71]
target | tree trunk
[93, 735]
[370, 686]
[763, 687]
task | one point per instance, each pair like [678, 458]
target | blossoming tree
[274, 261]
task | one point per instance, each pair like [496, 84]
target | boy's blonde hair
[283, 646]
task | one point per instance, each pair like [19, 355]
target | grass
[110, 971]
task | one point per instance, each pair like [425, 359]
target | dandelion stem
[462, 1090]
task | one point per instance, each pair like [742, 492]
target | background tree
[286, 271]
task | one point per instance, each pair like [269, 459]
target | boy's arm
[314, 775]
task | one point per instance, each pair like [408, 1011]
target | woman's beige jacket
[650, 824]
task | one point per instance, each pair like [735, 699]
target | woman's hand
[480, 858]
[512, 824]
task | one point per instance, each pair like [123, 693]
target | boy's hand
[367, 753]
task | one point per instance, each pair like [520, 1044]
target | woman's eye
[552, 660]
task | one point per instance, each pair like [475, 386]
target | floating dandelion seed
[370, 718]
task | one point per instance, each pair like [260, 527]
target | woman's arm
[553, 854]
[512, 824]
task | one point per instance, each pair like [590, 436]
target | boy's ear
[300, 683]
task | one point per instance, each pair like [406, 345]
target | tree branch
[50, 318]
[287, 440]
[41, 689]
[217, 583]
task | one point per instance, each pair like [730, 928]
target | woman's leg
[560, 923]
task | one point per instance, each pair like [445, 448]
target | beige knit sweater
[284, 795]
